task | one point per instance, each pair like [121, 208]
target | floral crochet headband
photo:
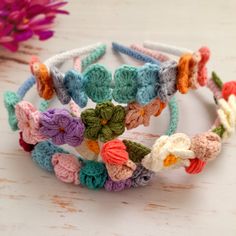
[104, 122]
[118, 164]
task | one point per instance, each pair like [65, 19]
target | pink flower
[140, 115]
[22, 19]
[66, 167]
[28, 122]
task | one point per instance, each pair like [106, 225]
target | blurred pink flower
[22, 19]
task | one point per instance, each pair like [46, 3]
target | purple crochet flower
[62, 127]
[116, 186]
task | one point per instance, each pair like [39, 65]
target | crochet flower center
[142, 112]
[62, 130]
[104, 122]
[170, 160]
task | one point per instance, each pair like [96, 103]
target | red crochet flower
[22, 19]
[228, 89]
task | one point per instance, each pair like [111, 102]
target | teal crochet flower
[105, 122]
[98, 83]
[93, 174]
[10, 100]
[125, 84]
[148, 79]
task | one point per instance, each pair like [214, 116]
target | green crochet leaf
[217, 80]
[136, 151]
[219, 130]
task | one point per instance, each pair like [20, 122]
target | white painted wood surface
[33, 202]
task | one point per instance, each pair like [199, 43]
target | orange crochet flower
[140, 115]
[43, 79]
[184, 72]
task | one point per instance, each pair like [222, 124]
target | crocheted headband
[178, 149]
[63, 127]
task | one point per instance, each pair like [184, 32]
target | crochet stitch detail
[148, 78]
[58, 82]
[43, 152]
[206, 146]
[75, 83]
[98, 81]
[93, 174]
[10, 101]
[114, 152]
[61, 127]
[66, 167]
[104, 122]
[136, 151]
[126, 86]
[141, 176]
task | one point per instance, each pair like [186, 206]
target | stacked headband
[104, 160]
[61, 126]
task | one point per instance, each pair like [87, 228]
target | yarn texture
[61, 127]
[114, 152]
[136, 151]
[140, 115]
[75, 83]
[196, 166]
[43, 80]
[126, 86]
[228, 89]
[105, 122]
[58, 83]
[121, 172]
[148, 78]
[66, 167]
[10, 101]
[169, 152]
[117, 186]
[28, 122]
[98, 81]
[26, 146]
[206, 146]
[141, 176]
[93, 174]
[42, 154]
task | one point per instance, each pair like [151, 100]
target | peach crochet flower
[121, 172]
[140, 115]
[28, 122]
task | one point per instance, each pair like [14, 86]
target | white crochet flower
[169, 152]
[227, 115]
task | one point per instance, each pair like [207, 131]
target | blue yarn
[98, 83]
[25, 87]
[43, 152]
[125, 84]
[174, 117]
[93, 174]
[132, 53]
[74, 83]
[147, 79]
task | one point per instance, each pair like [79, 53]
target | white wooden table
[33, 202]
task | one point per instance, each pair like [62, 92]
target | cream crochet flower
[169, 152]
[227, 115]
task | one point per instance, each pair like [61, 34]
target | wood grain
[33, 202]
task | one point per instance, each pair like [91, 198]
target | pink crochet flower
[66, 167]
[28, 122]
[140, 115]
